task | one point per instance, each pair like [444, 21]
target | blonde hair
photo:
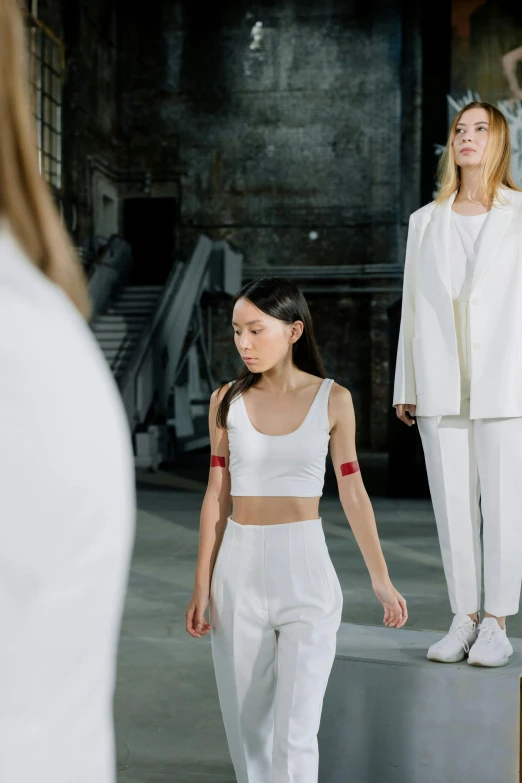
[25, 198]
[496, 163]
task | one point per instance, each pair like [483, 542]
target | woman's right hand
[395, 607]
[195, 615]
[401, 413]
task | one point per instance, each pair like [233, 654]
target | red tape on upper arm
[217, 462]
[349, 467]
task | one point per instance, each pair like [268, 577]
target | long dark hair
[282, 299]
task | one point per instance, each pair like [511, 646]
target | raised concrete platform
[392, 716]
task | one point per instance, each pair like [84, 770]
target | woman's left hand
[395, 608]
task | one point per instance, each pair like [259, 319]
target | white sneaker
[492, 647]
[456, 644]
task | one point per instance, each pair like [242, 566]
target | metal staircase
[157, 342]
[120, 327]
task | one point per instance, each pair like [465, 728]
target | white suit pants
[276, 608]
[475, 475]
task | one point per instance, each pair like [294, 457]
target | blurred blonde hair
[496, 163]
[25, 198]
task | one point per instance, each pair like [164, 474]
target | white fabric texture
[276, 606]
[465, 239]
[66, 524]
[461, 313]
[290, 465]
[427, 370]
[472, 460]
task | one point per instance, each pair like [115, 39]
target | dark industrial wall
[91, 140]
[304, 135]
[317, 132]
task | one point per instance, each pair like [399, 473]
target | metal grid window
[46, 63]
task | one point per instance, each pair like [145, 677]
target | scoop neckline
[286, 434]
[471, 217]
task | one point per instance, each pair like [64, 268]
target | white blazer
[427, 371]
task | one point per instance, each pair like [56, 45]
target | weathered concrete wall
[91, 142]
[316, 132]
[305, 135]
[90, 103]
[319, 132]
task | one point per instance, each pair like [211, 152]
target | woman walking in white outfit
[275, 598]
[459, 372]
[66, 477]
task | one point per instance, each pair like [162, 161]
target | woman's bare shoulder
[341, 397]
[218, 394]
[340, 409]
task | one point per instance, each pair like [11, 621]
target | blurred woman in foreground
[66, 477]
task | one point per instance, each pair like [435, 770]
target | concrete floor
[168, 723]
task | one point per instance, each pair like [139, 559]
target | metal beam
[327, 272]
[350, 289]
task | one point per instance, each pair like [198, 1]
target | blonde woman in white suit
[459, 375]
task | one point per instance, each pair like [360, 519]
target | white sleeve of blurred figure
[67, 512]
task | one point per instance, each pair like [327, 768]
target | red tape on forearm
[217, 462]
[349, 467]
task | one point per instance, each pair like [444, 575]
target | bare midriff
[247, 510]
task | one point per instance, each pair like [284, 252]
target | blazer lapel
[493, 232]
[440, 239]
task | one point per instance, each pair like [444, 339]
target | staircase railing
[109, 273]
[154, 370]
[137, 385]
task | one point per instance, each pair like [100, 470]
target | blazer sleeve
[404, 392]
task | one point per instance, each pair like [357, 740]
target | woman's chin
[468, 162]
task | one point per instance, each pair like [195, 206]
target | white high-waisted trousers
[475, 476]
[276, 608]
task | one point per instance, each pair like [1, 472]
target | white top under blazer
[466, 231]
[279, 465]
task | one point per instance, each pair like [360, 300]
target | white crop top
[275, 465]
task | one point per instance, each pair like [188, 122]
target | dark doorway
[149, 227]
